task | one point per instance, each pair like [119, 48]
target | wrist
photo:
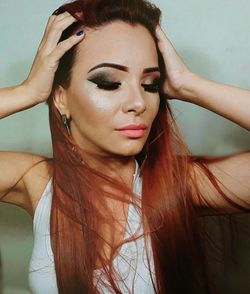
[29, 92]
[188, 89]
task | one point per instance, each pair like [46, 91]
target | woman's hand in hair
[228, 101]
[176, 70]
[40, 79]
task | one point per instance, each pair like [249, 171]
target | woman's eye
[108, 86]
[103, 83]
[152, 88]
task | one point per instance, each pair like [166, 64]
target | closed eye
[152, 88]
[103, 83]
[111, 86]
[108, 86]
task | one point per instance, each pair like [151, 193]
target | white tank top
[131, 262]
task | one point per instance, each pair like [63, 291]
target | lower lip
[133, 133]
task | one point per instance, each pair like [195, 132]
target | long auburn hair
[168, 213]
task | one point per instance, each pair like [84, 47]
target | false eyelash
[108, 86]
[102, 82]
[152, 88]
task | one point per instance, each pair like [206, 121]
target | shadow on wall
[16, 245]
[207, 133]
[237, 137]
[198, 61]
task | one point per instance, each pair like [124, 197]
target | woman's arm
[16, 98]
[233, 171]
[233, 177]
[230, 102]
[37, 87]
[18, 170]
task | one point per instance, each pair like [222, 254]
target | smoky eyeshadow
[100, 78]
[106, 79]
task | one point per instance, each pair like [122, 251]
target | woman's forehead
[117, 42]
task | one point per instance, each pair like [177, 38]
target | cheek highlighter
[98, 102]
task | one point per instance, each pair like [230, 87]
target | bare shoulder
[24, 176]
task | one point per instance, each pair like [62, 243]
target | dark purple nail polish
[79, 33]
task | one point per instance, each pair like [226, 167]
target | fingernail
[79, 33]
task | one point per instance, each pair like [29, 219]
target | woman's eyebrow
[123, 68]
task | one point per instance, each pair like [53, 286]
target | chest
[114, 232]
[131, 260]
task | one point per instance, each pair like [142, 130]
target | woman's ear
[60, 101]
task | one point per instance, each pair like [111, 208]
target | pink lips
[133, 131]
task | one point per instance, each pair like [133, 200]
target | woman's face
[102, 98]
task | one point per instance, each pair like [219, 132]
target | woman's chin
[129, 151]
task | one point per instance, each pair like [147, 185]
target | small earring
[66, 123]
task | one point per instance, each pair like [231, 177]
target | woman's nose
[134, 101]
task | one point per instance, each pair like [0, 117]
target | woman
[127, 194]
